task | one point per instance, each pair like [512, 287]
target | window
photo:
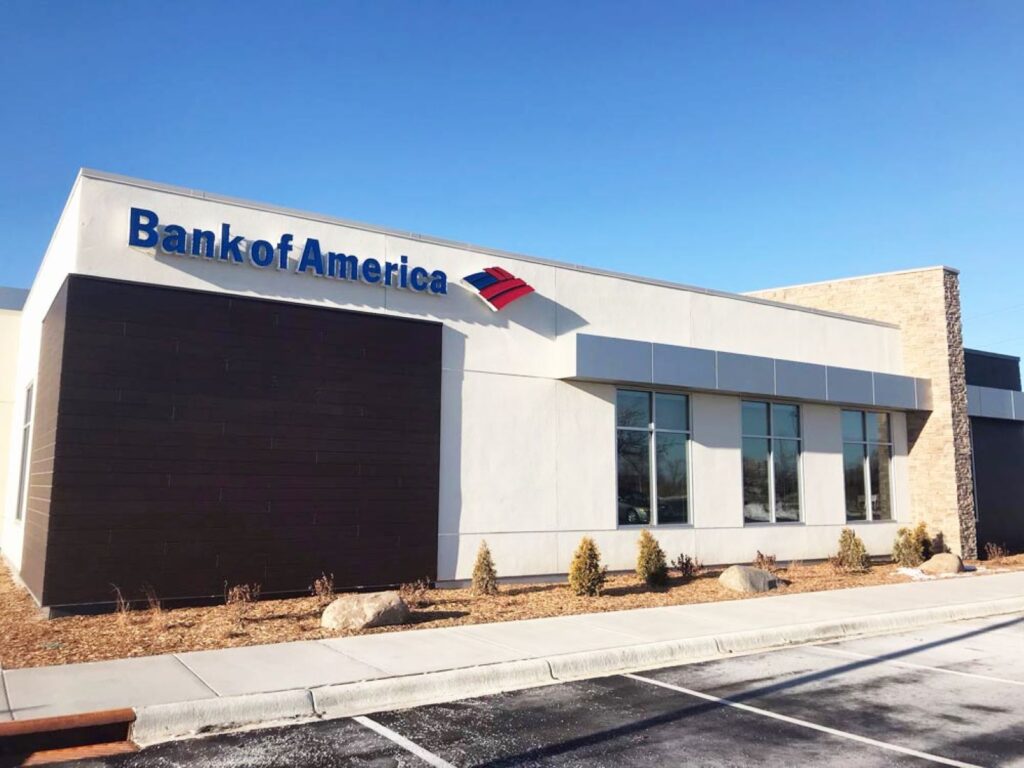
[867, 465]
[651, 436]
[26, 436]
[771, 462]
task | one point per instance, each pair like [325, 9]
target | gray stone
[360, 611]
[941, 564]
[744, 578]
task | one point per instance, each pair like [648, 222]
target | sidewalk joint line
[197, 676]
[7, 694]
[383, 672]
[409, 746]
[803, 723]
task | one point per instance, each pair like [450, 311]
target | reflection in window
[867, 465]
[652, 448]
[853, 474]
[26, 439]
[771, 462]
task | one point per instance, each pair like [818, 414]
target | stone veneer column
[925, 304]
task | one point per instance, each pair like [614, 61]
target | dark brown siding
[46, 388]
[998, 482]
[205, 439]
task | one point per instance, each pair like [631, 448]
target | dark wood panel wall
[998, 482]
[46, 395]
[204, 439]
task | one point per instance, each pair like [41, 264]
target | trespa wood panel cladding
[198, 440]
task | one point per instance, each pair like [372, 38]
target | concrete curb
[166, 722]
[432, 688]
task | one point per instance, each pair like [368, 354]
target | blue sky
[732, 145]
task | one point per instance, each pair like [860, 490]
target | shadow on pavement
[710, 706]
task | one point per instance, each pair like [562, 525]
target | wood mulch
[28, 640]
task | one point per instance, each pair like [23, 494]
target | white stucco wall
[505, 413]
[584, 478]
[10, 327]
[59, 260]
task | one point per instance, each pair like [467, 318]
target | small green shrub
[911, 546]
[650, 561]
[586, 574]
[852, 556]
[686, 566]
[485, 577]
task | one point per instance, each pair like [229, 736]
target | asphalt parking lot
[949, 695]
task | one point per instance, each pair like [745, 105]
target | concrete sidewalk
[181, 694]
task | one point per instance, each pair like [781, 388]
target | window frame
[771, 438]
[25, 466]
[652, 431]
[865, 446]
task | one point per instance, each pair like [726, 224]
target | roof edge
[13, 298]
[986, 353]
[91, 173]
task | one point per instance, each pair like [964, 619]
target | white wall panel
[715, 462]
[585, 416]
[60, 259]
[501, 475]
[821, 469]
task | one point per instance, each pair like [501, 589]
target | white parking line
[429, 757]
[912, 665]
[804, 723]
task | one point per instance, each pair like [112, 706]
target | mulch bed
[28, 640]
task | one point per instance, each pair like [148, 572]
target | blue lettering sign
[144, 231]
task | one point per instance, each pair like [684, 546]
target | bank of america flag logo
[497, 287]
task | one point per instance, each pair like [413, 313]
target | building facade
[210, 391]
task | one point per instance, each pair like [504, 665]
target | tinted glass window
[853, 425]
[881, 483]
[878, 427]
[786, 457]
[633, 409]
[755, 418]
[670, 412]
[785, 420]
[756, 504]
[672, 488]
[634, 477]
[853, 476]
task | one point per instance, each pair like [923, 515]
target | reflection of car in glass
[672, 509]
[633, 515]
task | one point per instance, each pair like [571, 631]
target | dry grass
[29, 640]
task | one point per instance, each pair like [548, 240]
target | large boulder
[942, 564]
[360, 611]
[743, 578]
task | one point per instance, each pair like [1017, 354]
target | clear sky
[731, 145]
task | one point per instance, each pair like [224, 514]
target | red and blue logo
[497, 287]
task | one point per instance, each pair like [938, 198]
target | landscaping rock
[743, 578]
[941, 564]
[360, 611]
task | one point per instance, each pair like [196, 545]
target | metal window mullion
[653, 469]
[869, 507]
